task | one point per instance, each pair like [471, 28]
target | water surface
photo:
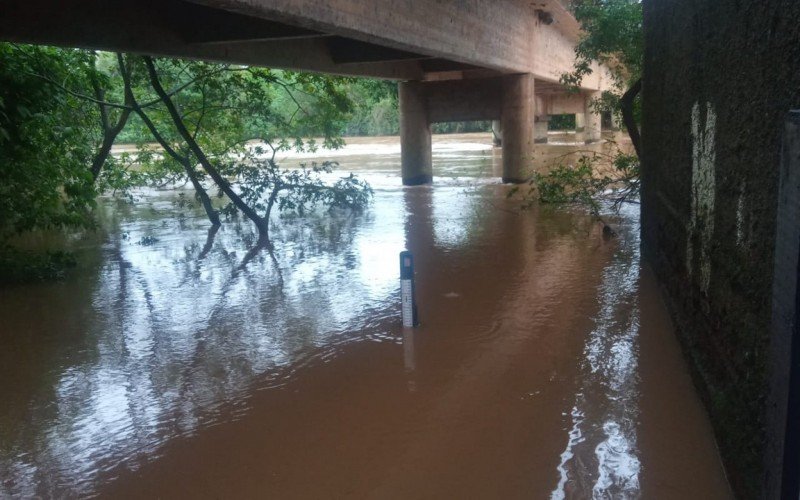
[544, 366]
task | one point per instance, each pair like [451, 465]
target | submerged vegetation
[616, 182]
[214, 126]
[17, 266]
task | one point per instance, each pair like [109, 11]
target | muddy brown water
[545, 365]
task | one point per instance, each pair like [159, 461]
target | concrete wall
[720, 77]
[564, 104]
[464, 100]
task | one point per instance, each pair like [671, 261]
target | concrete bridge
[457, 60]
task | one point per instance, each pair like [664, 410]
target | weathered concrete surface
[169, 27]
[563, 104]
[393, 39]
[540, 129]
[506, 35]
[464, 100]
[416, 159]
[593, 127]
[517, 121]
[497, 133]
[720, 76]
[508, 100]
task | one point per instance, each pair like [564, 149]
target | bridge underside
[184, 29]
[466, 60]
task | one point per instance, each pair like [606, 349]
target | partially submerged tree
[222, 145]
[61, 111]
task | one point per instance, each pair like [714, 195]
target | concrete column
[517, 121]
[415, 135]
[594, 120]
[580, 122]
[540, 129]
[497, 133]
[541, 121]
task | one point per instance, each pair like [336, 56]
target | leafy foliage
[612, 35]
[46, 140]
[561, 122]
[594, 180]
[226, 138]
[264, 184]
[62, 110]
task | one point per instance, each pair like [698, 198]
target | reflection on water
[162, 369]
[605, 414]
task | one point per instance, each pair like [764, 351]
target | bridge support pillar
[594, 120]
[517, 115]
[415, 135]
[541, 121]
[540, 129]
[497, 133]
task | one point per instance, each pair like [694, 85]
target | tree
[612, 35]
[593, 179]
[112, 119]
[61, 111]
[376, 107]
[46, 141]
[219, 140]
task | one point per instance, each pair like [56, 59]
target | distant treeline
[561, 122]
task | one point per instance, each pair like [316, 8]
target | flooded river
[544, 366]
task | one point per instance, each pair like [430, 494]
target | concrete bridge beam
[415, 135]
[517, 118]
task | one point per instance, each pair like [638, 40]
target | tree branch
[101, 102]
[184, 161]
[224, 185]
[626, 105]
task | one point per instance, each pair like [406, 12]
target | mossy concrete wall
[719, 79]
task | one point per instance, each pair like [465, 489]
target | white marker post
[409, 302]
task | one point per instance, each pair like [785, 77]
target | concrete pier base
[517, 117]
[415, 135]
[593, 120]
